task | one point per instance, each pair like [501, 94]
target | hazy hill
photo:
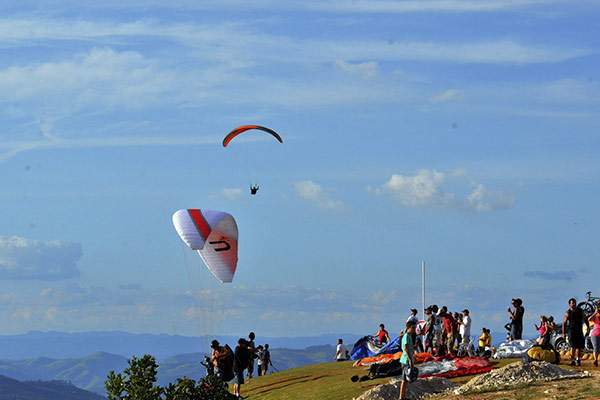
[90, 372]
[61, 345]
[11, 389]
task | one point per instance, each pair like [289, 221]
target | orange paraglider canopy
[241, 129]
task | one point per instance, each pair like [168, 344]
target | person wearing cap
[515, 313]
[413, 316]
[416, 337]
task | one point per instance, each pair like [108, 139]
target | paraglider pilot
[254, 189]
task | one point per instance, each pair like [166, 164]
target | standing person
[465, 327]
[516, 319]
[595, 333]
[428, 330]
[259, 350]
[457, 335]
[573, 322]
[382, 335]
[413, 316]
[407, 360]
[447, 331]
[340, 351]
[417, 339]
[241, 360]
[266, 359]
[222, 360]
[252, 350]
[437, 329]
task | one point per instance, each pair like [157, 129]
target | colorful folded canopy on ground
[369, 347]
[513, 349]
[386, 358]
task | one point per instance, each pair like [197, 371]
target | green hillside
[326, 381]
[331, 381]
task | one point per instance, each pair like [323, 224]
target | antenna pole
[423, 287]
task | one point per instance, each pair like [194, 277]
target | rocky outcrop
[415, 390]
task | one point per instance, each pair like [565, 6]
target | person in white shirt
[340, 351]
[465, 327]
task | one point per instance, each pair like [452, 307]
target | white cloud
[427, 188]
[101, 76]
[239, 46]
[22, 258]
[422, 189]
[332, 6]
[364, 70]
[413, 6]
[231, 193]
[313, 192]
[483, 199]
[447, 96]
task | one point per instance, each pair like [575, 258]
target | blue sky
[461, 132]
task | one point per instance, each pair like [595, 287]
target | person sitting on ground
[241, 361]
[484, 343]
[266, 359]
[382, 336]
[573, 322]
[595, 333]
[340, 351]
[407, 360]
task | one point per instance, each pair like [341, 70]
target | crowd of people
[443, 332]
[239, 363]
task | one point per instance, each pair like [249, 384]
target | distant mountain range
[61, 345]
[11, 389]
[90, 372]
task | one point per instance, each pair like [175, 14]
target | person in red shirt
[447, 329]
[382, 335]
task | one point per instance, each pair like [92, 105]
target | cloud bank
[551, 275]
[427, 188]
[314, 193]
[22, 258]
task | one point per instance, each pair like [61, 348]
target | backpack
[538, 353]
[226, 368]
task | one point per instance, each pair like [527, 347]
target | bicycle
[589, 305]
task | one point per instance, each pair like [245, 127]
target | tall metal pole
[423, 287]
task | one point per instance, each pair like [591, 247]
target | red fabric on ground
[465, 366]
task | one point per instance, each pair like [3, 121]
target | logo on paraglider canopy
[223, 243]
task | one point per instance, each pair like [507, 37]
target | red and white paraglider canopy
[214, 235]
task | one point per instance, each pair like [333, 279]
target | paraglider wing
[241, 129]
[214, 235]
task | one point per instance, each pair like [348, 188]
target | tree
[138, 382]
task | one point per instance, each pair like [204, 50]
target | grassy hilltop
[331, 381]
